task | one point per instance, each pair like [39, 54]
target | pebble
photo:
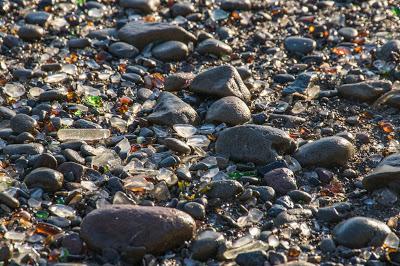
[231, 5]
[48, 179]
[141, 34]
[220, 82]
[178, 81]
[214, 47]
[146, 6]
[388, 50]
[230, 110]
[299, 45]
[123, 50]
[365, 91]
[254, 143]
[21, 123]
[30, 32]
[182, 9]
[196, 210]
[177, 145]
[171, 110]
[170, 51]
[18, 149]
[281, 180]
[157, 229]
[8, 200]
[326, 151]
[348, 33]
[224, 189]
[360, 232]
[39, 18]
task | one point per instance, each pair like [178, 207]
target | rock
[389, 50]
[230, 110]
[103, 34]
[73, 243]
[30, 32]
[170, 51]
[146, 6]
[220, 82]
[157, 229]
[52, 95]
[304, 84]
[292, 215]
[299, 45]
[224, 189]
[76, 169]
[6, 113]
[182, 9]
[123, 50]
[23, 123]
[254, 143]
[299, 196]
[48, 179]
[327, 245]
[39, 18]
[177, 145]
[196, 210]
[326, 151]
[255, 258]
[204, 249]
[384, 175]
[18, 149]
[281, 180]
[361, 232]
[266, 193]
[366, 90]
[348, 33]
[45, 160]
[171, 110]
[78, 43]
[9, 200]
[297, 263]
[231, 5]
[215, 47]
[141, 34]
[284, 78]
[178, 81]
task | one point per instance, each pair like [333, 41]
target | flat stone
[220, 82]
[366, 90]
[254, 143]
[48, 179]
[157, 229]
[23, 123]
[146, 6]
[123, 50]
[215, 47]
[325, 152]
[103, 34]
[140, 34]
[300, 45]
[230, 110]
[30, 32]
[170, 51]
[361, 232]
[18, 149]
[171, 110]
